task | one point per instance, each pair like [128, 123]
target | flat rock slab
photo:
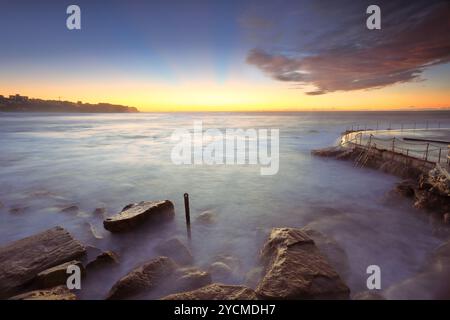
[215, 291]
[57, 293]
[56, 276]
[295, 269]
[22, 260]
[136, 214]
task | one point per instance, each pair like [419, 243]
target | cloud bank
[328, 46]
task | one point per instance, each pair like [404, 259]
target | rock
[143, 278]
[406, 188]
[190, 279]
[18, 210]
[94, 230]
[225, 267]
[107, 258]
[368, 295]
[335, 152]
[295, 269]
[331, 250]
[206, 218]
[446, 218]
[99, 212]
[91, 254]
[56, 276]
[57, 293]
[215, 291]
[22, 260]
[70, 209]
[175, 249]
[220, 270]
[136, 214]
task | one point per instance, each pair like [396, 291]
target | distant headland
[18, 103]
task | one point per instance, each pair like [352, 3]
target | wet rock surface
[134, 215]
[22, 260]
[56, 293]
[295, 269]
[215, 291]
[143, 278]
[56, 276]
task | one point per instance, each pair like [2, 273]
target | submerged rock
[56, 276]
[18, 210]
[225, 267]
[143, 278]
[295, 269]
[134, 215]
[22, 260]
[207, 218]
[175, 249]
[99, 212]
[57, 293]
[215, 291]
[70, 209]
[190, 279]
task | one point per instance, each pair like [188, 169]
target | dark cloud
[342, 54]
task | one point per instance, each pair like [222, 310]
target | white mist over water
[51, 161]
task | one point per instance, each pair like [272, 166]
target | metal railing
[427, 151]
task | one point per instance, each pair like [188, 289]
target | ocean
[52, 161]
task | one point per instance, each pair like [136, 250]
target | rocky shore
[291, 265]
[427, 184]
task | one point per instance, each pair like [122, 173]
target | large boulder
[143, 278]
[137, 213]
[295, 269]
[56, 293]
[22, 260]
[57, 275]
[215, 291]
[159, 276]
[176, 250]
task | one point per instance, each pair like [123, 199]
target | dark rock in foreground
[57, 293]
[215, 291]
[22, 260]
[135, 214]
[56, 276]
[295, 269]
[143, 278]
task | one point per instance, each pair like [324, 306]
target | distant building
[18, 98]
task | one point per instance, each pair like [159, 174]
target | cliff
[23, 104]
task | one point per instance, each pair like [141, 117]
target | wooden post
[440, 149]
[393, 144]
[426, 152]
[188, 214]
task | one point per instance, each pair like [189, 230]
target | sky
[247, 55]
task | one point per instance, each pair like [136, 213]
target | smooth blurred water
[51, 161]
